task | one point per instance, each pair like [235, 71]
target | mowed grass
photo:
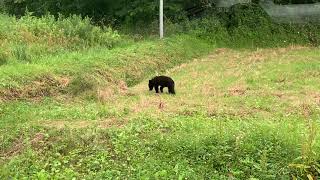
[237, 114]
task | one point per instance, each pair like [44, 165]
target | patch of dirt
[42, 87]
[291, 48]
[221, 51]
[84, 124]
[256, 57]
[2, 99]
[278, 94]
[39, 137]
[38, 141]
[306, 110]
[64, 81]
[105, 94]
[16, 148]
[195, 74]
[111, 92]
[297, 99]
[209, 90]
[212, 111]
[314, 74]
[238, 90]
[112, 123]
[148, 102]
[188, 112]
[20, 145]
[177, 68]
[161, 105]
[230, 112]
[64, 124]
[10, 94]
[123, 87]
[317, 99]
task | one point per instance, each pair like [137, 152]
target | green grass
[237, 113]
[66, 111]
[48, 56]
[101, 66]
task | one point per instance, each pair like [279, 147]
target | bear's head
[150, 85]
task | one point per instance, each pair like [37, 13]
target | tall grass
[31, 37]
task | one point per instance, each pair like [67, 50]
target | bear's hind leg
[171, 90]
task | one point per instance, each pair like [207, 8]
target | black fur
[162, 82]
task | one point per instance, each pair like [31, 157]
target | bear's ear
[149, 81]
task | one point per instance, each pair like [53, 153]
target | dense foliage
[118, 12]
[105, 10]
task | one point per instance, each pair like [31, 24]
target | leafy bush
[250, 15]
[249, 25]
[210, 29]
[246, 25]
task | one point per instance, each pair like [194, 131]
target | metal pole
[161, 19]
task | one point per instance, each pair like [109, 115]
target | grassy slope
[236, 113]
[96, 67]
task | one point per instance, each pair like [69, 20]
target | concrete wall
[229, 3]
[298, 13]
[293, 13]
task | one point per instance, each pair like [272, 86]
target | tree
[112, 11]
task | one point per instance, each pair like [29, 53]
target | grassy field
[45, 57]
[237, 114]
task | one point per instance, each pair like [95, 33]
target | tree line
[119, 11]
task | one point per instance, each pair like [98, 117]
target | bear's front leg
[161, 89]
[157, 89]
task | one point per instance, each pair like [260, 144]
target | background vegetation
[74, 103]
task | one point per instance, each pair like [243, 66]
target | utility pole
[161, 19]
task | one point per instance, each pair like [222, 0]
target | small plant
[21, 54]
[308, 164]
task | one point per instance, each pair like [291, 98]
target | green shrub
[210, 29]
[250, 26]
[250, 15]
[246, 25]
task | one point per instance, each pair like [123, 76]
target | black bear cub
[162, 81]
